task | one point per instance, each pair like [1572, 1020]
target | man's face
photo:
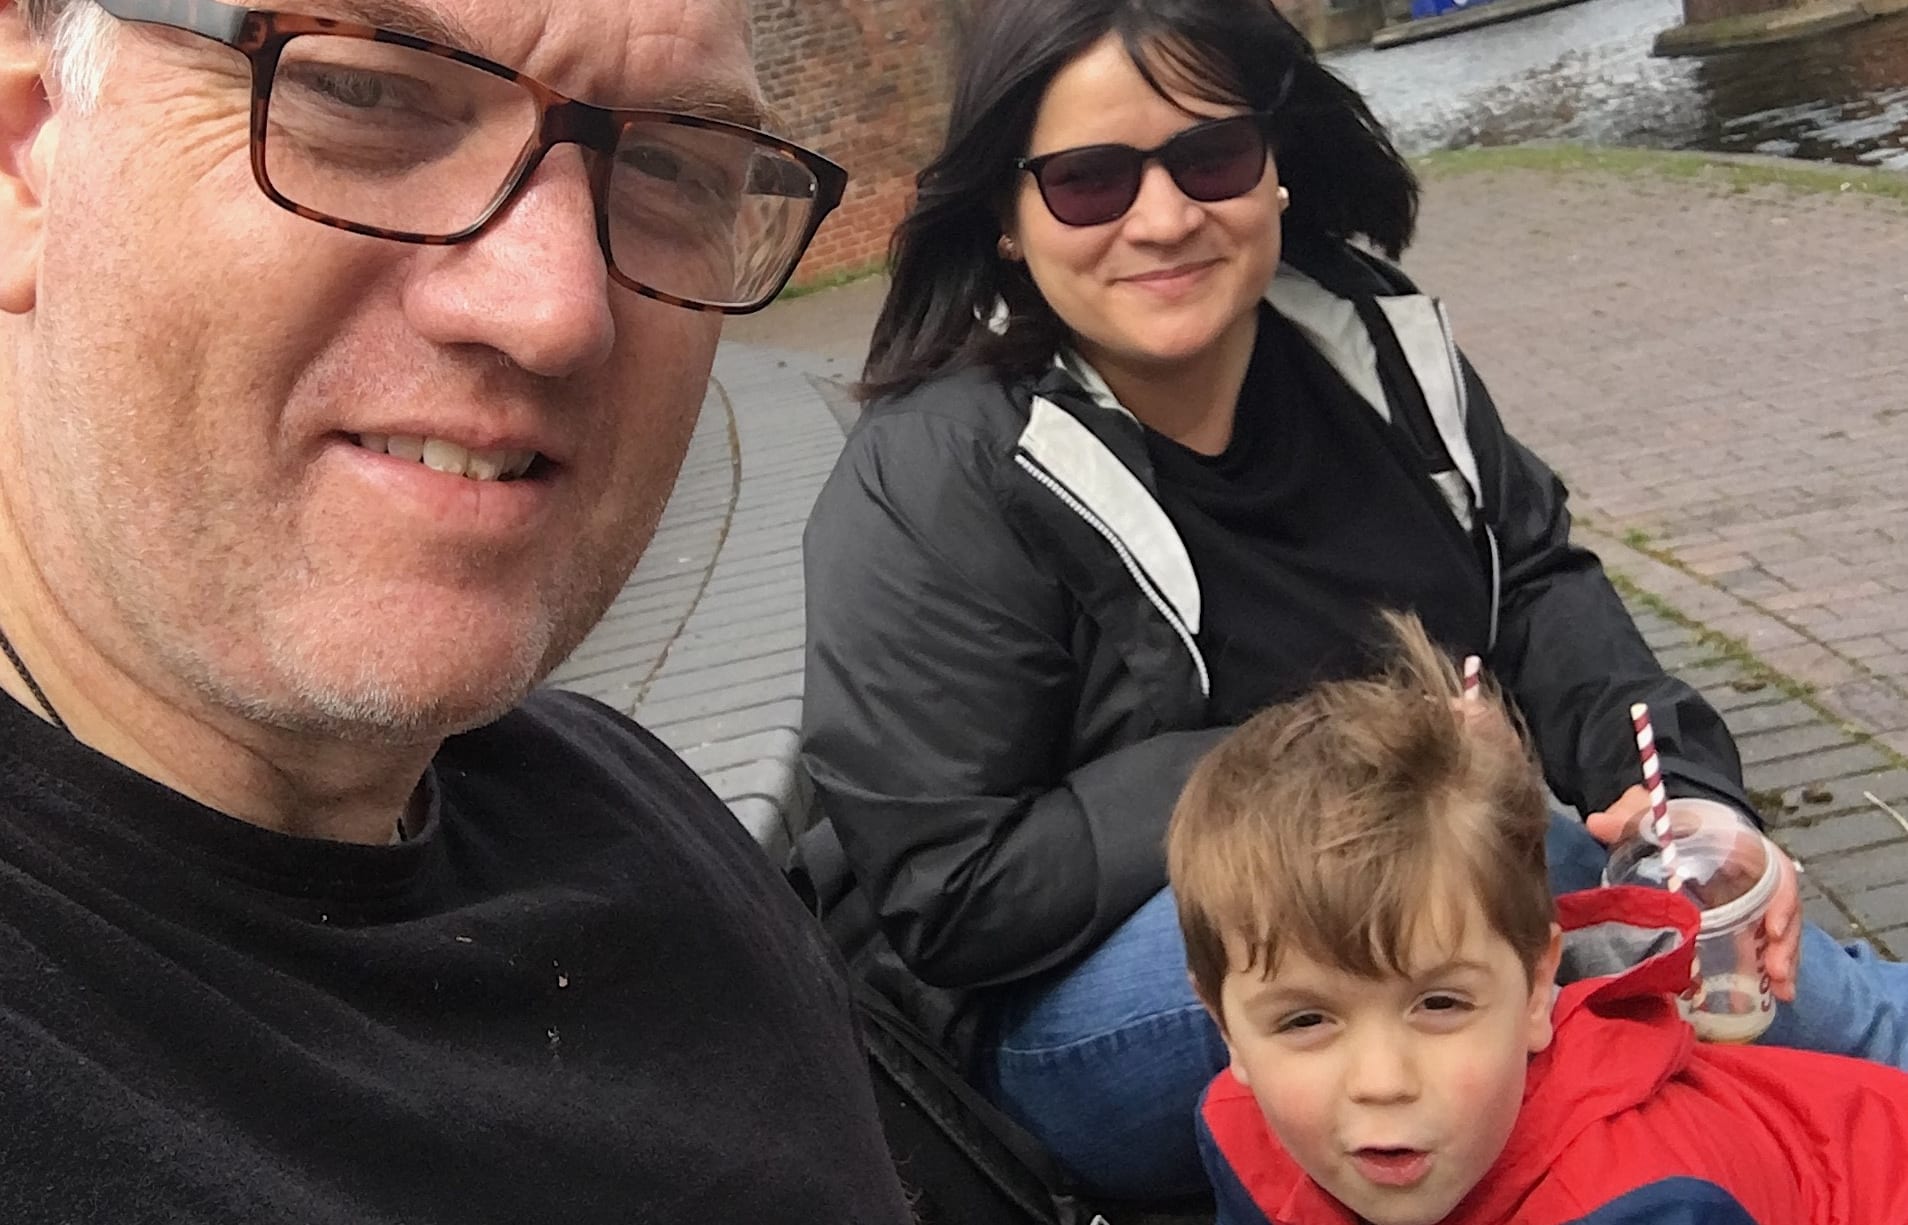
[195, 384]
[1396, 1094]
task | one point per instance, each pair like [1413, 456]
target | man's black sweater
[579, 995]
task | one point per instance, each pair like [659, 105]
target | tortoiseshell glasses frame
[700, 203]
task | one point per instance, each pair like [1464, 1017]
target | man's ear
[1543, 993]
[28, 135]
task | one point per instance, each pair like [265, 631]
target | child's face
[1394, 1095]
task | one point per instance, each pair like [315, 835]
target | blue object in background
[1431, 8]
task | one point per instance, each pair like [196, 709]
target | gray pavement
[1714, 364]
[704, 645]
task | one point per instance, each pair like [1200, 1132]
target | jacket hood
[1618, 1036]
[1628, 952]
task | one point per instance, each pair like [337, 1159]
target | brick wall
[865, 82]
[1336, 23]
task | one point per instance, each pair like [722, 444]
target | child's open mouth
[1392, 1167]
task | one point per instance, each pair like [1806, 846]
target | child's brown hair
[1337, 822]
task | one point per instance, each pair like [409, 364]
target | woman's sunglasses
[1095, 184]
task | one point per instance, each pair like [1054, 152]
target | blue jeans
[1104, 1062]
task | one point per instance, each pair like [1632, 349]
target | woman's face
[1167, 280]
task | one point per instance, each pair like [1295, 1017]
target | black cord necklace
[403, 834]
[33, 686]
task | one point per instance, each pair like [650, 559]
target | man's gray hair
[78, 35]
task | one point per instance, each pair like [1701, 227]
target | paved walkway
[1715, 364]
[704, 645]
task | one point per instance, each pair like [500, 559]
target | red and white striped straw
[1659, 798]
[1473, 675]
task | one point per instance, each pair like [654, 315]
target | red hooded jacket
[1627, 1118]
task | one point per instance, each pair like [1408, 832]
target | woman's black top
[1315, 516]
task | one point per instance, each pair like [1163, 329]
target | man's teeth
[448, 457]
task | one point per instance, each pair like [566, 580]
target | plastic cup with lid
[1730, 871]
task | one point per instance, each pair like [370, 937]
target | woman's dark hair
[1346, 178]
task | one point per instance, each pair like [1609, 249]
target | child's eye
[1300, 1022]
[1445, 1005]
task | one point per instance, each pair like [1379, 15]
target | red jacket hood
[1618, 1033]
[1618, 1037]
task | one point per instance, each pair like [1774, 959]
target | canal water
[1585, 73]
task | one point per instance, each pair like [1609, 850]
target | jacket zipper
[1464, 415]
[1497, 583]
[1126, 557]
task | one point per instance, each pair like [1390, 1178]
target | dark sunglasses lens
[1217, 161]
[1090, 186]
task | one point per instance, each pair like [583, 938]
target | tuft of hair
[78, 35]
[1344, 821]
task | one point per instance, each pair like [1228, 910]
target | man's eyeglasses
[381, 133]
[1095, 184]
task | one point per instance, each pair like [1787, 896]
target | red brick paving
[1726, 373]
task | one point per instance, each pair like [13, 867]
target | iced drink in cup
[1730, 872]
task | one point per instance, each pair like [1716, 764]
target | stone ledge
[1776, 26]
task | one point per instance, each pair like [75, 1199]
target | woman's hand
[1781, 926]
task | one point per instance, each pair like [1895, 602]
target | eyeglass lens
[1098, 183]
[394, 138]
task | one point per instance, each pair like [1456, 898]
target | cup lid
[1727, 868]
[1752, 902]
